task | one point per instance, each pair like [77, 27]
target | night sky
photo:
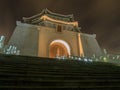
[100, 17]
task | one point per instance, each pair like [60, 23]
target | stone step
[21, 72]
[54, 64]
[58, 77]
[9, 75]
[36, 60]
[40, 68]
[66, 62]
[41, 82]
[59, 87]
[57, 73]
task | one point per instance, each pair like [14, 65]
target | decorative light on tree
[2, 39]
[11, 50]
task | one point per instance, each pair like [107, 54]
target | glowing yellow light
[80, 45]
[64, 43]
[44, 17]
[105, 59]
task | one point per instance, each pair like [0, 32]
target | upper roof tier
[47, 14]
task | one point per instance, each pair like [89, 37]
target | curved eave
[46, 11]
[61, 15]
[44, 17]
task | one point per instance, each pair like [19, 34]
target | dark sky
[101, 17]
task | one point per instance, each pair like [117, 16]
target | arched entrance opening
[59, 48]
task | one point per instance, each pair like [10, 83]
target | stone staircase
[31, 73]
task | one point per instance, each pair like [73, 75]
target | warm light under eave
[44, 17]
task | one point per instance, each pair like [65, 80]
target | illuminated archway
[59, 48]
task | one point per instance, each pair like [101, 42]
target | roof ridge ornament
[49, 15]
[45, 10]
